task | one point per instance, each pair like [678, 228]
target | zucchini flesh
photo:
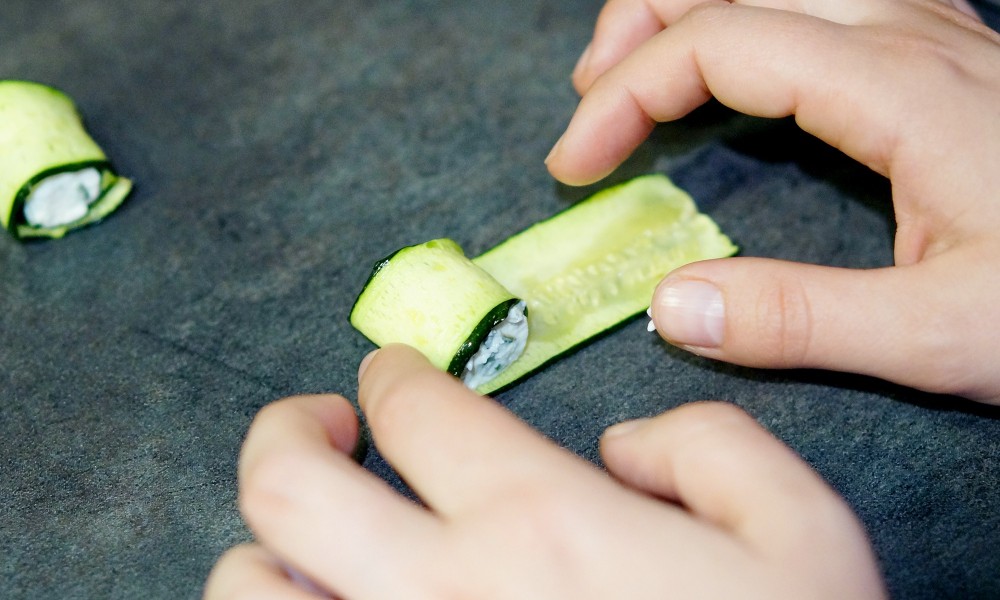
[580, 273]
[41, 135]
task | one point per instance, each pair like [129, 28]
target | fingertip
[398, 372]
[616, 442]
[691, 415]
[373, 368]
[569, 169]
[713, 413]
[328, 419]
[609, 123]
[623, 429]
[644, 453]
[249, 571]
[340, 420]
[554, 151]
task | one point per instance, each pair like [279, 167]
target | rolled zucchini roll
[53, 175]
[430, 296]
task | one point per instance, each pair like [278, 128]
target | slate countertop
[278, 149]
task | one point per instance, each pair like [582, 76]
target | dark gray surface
[278, 148]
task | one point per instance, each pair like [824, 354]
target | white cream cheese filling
[62, 198]
[503, 345]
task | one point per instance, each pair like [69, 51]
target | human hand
[909, 88]
[704, 503]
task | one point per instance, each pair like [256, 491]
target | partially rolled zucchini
[432, 297]
[53, 175]
[579, 273]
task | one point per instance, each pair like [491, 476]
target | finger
[325, 422]
[250, 572]
[312, 505]
[455, 448]
[621, 27]
[624, 25]
[822, 72]
[716, 461]
[911, 325]
[721, 465]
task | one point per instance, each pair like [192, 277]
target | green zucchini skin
[41, 135]
[589, 268]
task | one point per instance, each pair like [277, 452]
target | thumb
[903, 324]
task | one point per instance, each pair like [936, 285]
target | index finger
[455, 448]
[760, 61]
[720, 463]
[623, 25]
[725, 468]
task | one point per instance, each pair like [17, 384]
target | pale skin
[699, 502]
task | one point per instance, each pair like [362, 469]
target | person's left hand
[706, 504]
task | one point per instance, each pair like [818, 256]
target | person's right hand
[910, 88]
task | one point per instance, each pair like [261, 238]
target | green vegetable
[581, 272]
[42, 140]
[432, 297]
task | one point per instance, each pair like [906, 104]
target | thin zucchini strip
[53, 175]
[579, 273]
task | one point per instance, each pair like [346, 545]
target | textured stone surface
[278, 149]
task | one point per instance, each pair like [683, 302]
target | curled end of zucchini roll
[504, 343]
[53, 176]
[430, 296]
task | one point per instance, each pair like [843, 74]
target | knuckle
[543, 519]
[784, 323]
[939, 342]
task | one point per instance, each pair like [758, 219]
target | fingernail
[553, 151]
[690, 312]
[364, 363]
[624, 428]
[583, 62]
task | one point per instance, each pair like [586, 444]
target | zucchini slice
[579, 273]
[53, 175]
